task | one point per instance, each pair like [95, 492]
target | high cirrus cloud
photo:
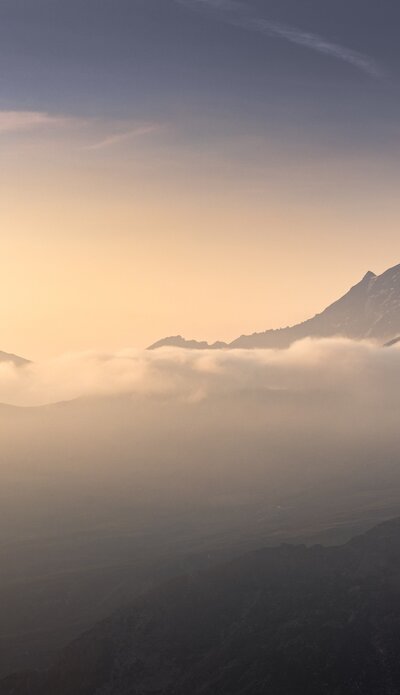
[238, 14]
[116, 138]
[17, 121]
[359, 370]
[104, 134]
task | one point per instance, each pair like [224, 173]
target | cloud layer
[217, 441]
[330, 366]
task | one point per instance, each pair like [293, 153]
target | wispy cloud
[316, 43]
[104, 134]
[116, 138]
[18, 121]
[237, 13]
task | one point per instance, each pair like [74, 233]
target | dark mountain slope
[287, 621]
[371, 309]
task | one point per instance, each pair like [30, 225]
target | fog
[144, 459]
[336, 365]
[173, 428]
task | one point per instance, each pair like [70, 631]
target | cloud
[18, 121]
[14, 122]
[316, 43]
[359, 371]
[116, 138]
[311, 428]
[237, 14]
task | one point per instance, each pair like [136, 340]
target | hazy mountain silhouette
[290, 620]
[371, 309]
[178, 341]
[15, 359]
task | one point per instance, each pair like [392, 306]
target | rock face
[370, 310]
[287, 621]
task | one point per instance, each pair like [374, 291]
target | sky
[202, 167]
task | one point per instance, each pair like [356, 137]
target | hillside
[289, 621]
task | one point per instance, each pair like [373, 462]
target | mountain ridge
[13, 359]
[287, 620]
[369, 310]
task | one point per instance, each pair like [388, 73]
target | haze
[139, 141]
[169, 461]
[175, 171]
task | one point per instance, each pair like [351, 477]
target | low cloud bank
[361, 370]
[218, 440]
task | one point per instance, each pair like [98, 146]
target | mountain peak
[369, 310]
[368, 276]
[180, 342]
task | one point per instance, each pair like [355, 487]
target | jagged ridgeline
[370, 310]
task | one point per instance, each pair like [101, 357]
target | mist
[120, 469]
[175, 429]
[359, 369]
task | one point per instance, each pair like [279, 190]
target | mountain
[292, 620]
[14, 359]
[369, 310]
[178, 341]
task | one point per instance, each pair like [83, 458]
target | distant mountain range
[292, 620]
[14, 359]
[178, 341]
[369, 310]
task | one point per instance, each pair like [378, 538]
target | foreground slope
[370, 310]
[287, 621]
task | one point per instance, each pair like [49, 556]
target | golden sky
[125, 243]
[192, 167]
